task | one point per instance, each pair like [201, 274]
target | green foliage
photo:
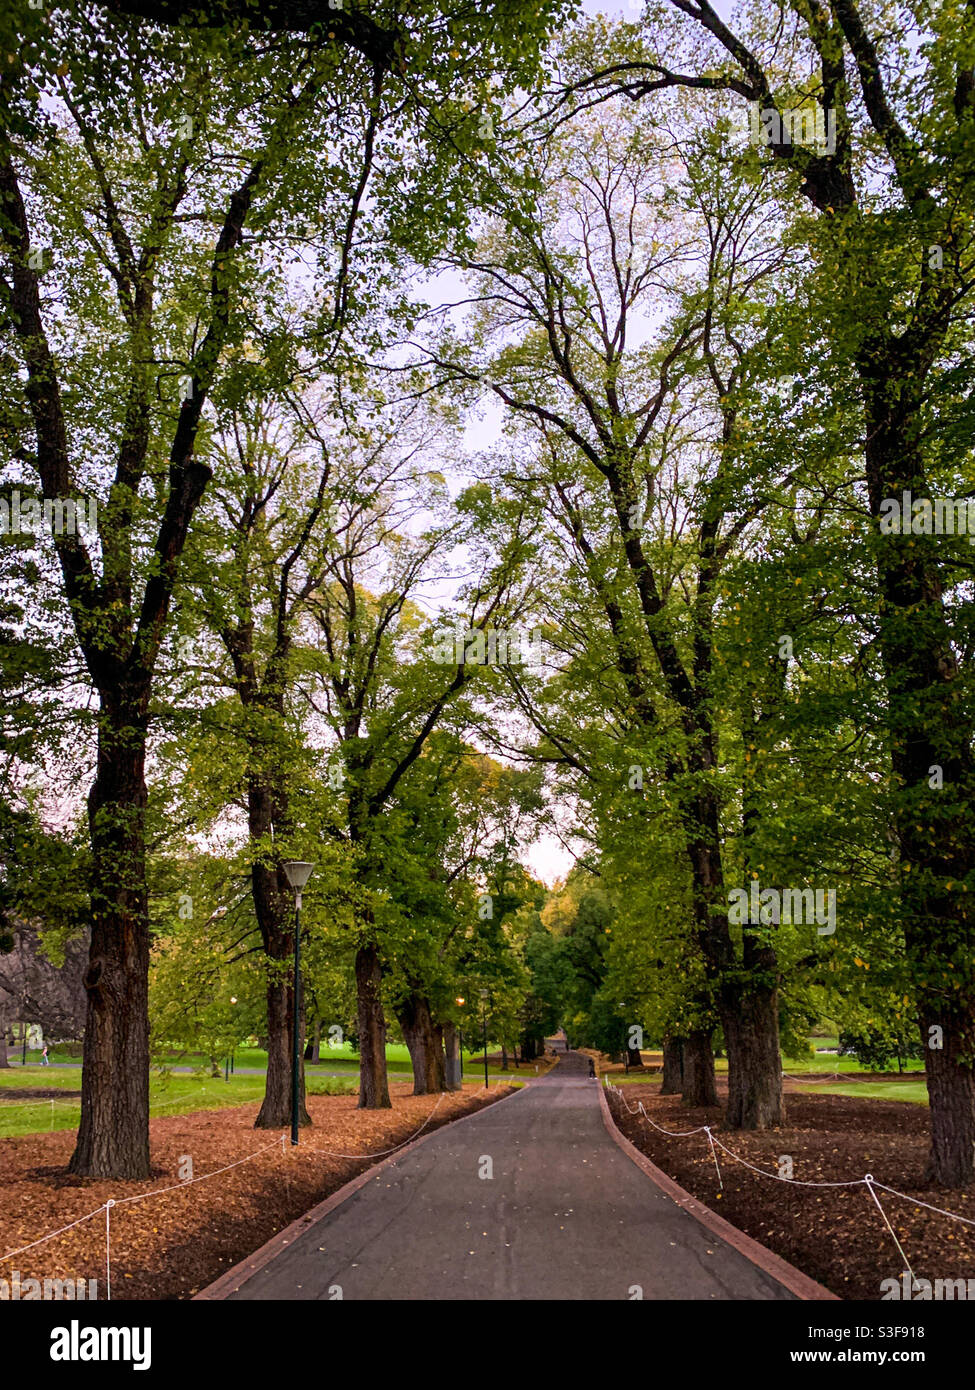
[880, 1047]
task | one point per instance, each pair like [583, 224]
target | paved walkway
[566, 1215]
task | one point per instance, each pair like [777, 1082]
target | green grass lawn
[172, 1093]
[168, 1095]
[915, 1091]
[50, 1078]
[885, 1086]
[826, 1061]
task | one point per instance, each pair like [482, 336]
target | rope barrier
[50, 1236]
[108, 1248]
[918, 1203]
[715, 1157]
[189, 1182]
[34, 1104]
[796, 1182]
[868, 1181]
[893, 1235]
[331, 1153]
[845, 1077]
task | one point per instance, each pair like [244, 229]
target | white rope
[108, 1247]
[51, 1235]
[31, 1104]
[140, 1197]
[331, 1153]
[715, 1157]
[34, 1104]
[893, 1235]
[178, 1100]
[868, 1181]
[686, 1134]
[189, 1182]
[918, 1203]
[815, 1081]
[674, 1133]
[796, 1182]
[846, 1079]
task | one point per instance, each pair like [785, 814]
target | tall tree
[577, 269]
[890, 175]
[135, 132]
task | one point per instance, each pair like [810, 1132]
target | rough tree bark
[451, 1043]
[424, 1039]
[698, 1070]
[371, 1026]
[673, 1069]
[275, 1111]
[929, 729]
[274, 908]
[751, 1030]
[113, 1136]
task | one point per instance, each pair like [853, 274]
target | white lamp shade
[298, 872]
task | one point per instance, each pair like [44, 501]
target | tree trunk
[316, 1041]
[451, 1043]
[673, 1073]
[4, 1062]
[930, 728]
[751, 1031]
[273, 904]
[951, 1093]
[113, 1137]
[699, 1088]
[267, 809]
[504, 1056]
[275, 1112]
[373, 1086]
[425, 1042]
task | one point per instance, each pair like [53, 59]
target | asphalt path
[530, 1198]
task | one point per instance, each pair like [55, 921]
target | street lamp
[298, 873]
[228, 1064]
[484, 999]
[460, 1002]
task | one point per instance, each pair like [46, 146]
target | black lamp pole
[484, 1022]
[296, 1058]
[298, 873]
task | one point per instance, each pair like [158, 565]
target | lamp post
[484, 999]
[459, 1001]
[227, 1066]
[298, 873]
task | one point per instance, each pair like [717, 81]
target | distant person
[44, 1058]
[592, 1067]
